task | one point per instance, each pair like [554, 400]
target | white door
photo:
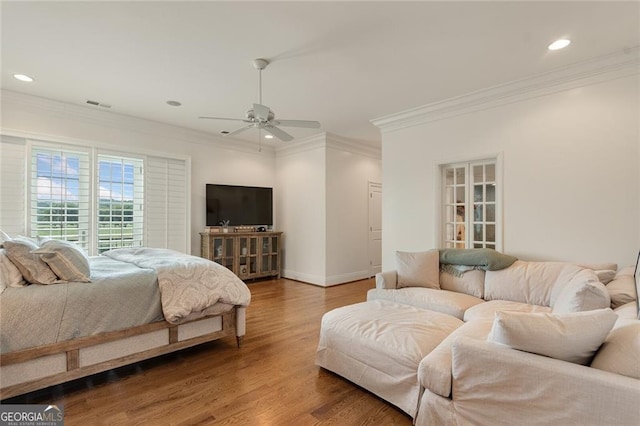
[375, 228]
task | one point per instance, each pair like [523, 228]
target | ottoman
[379, 344]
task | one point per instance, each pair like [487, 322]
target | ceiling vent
[96, 103]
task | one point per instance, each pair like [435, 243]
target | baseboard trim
[324, 281]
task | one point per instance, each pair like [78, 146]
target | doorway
[375, 228]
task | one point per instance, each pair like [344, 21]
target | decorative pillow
[573, 337]
[33, 269]
[4, 237]
[419, 269]
[10, 275]
[583, 293]
[66, 259]
[605, 275]
[620, 353]
[622, 290]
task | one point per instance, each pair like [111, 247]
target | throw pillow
[621, 351]
[621, 290]
[418, 269]
[582, 293]
[33, 269]
[66, 259]
[573, 337]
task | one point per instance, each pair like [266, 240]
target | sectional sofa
[508, 342]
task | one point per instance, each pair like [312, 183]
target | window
[60, 195]
[100, 200]
[470, 205]
[120, 202]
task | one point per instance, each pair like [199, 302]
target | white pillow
[582, 293]
[620, 353]
[67, 260]
[418, 269]
[572, 337]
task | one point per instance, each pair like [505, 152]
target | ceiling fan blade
[280, 134]
[241, 129]
[261, 112]
[230, 119]
[298, 123]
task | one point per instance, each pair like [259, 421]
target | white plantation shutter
[120, 202]
[59, 194]
[166, 195]
[12, 186]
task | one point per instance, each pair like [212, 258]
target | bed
[129, 305]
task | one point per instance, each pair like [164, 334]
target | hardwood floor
[272, 380]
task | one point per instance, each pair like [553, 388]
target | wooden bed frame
[36, 368]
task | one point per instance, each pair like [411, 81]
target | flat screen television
[240, 205]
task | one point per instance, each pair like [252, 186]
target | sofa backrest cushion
[418, 269]
[622, 288]
[584, 292]
[620, 352]
[528, 282]
[470, 282]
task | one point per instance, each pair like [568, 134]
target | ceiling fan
[263, 118]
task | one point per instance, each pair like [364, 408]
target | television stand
[249, 255]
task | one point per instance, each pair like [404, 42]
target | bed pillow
[10, 275]
[573, 337]
[418, 269]
[67, 260]
[33, 269]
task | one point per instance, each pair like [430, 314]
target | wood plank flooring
[272, 380]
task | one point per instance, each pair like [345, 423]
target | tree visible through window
[470, 205]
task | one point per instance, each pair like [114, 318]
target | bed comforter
[128, 287]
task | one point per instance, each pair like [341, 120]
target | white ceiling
[341, 63]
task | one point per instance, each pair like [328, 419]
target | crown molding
[329, 140]
[114, 120]
[596, 70]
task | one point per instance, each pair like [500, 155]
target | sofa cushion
[620, 352]
[584, 292]
[434, 371]
[446, 302]
[621, 290]
[470, 282]
[627, 311]
[572, 337]
[528, 282]
[488, 310]
[418, 269]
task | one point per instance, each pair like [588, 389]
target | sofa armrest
[494, 384]
[387, 280]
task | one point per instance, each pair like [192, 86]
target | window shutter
[13, 188]
[166, 204]
[59, 202]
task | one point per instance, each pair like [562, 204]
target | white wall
[348, 177]
[213, 160]
[323, 208]
[571, 181]
[301, 205]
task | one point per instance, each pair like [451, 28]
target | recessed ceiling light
[559, 44]
[174, 103]
[268, 136]
[23, 77]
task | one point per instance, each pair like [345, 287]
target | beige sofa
[477, 375]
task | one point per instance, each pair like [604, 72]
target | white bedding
[188, 284]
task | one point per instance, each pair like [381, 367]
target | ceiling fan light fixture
[23, 77]
[268, 136]
[559, 44]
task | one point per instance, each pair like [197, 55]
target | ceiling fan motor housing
[251, 116]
